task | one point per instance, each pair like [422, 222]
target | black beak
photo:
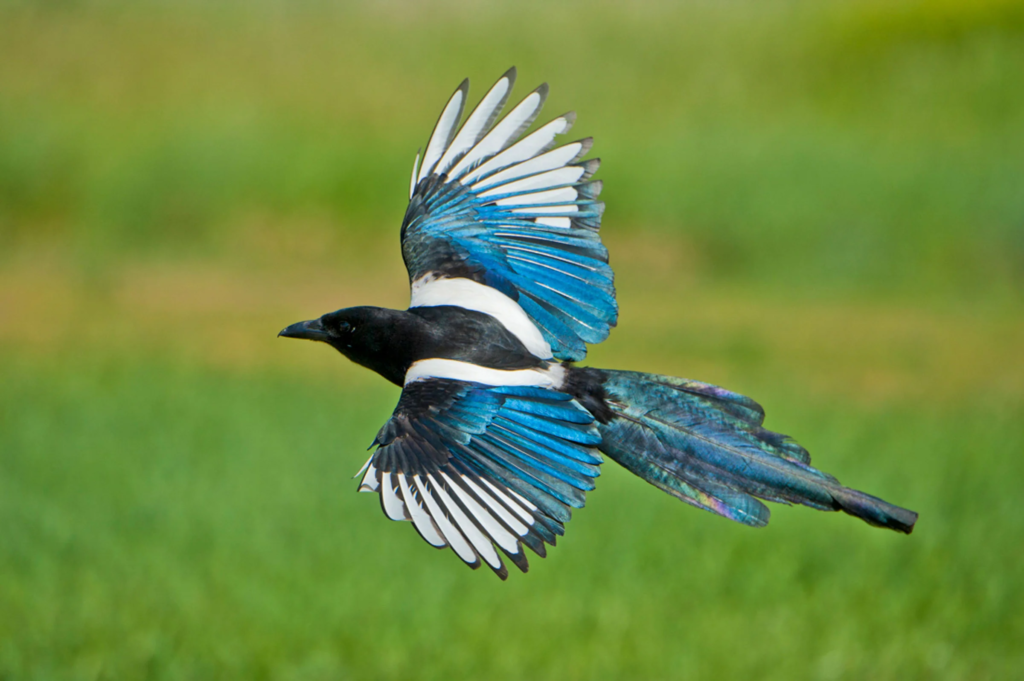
[311, 330]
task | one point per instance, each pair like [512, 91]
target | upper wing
[510, 227]
[474, 466]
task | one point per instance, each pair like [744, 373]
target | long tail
[706, 446]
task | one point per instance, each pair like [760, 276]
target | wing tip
[570, 120]
[542, 91]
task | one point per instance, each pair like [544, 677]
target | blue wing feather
[569, 345]
[558, 272]
[567, 448]
[587, 472]
[512, 459]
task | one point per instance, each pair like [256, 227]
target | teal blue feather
[707, 447]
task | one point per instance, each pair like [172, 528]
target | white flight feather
[550, 178]
[442, 133]
[369, 481]
[415, 171]
[454, 538]
[523, 499]
[483, 545]
[562, 223]
[499, 136]
[563, 195]
[473, 128]
[420, 518]
[522, 150]
[501, 536]
[514, 523]
[556, 158]
[522, 509]
[363, 468]
[540, 210]
[393, 506]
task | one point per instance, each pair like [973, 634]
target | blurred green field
[820, 205]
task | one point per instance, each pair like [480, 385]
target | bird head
[370, 336]
[340, 329]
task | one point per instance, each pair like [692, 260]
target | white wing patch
[429, 291]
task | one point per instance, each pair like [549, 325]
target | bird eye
[344, 327]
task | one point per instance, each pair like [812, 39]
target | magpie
[498, 433]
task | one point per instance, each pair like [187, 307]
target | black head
[374, 337]
[336, 328]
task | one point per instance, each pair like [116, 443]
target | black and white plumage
[476, 466]
[497, 434]
[510, 228]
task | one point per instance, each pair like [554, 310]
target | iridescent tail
[706, 446]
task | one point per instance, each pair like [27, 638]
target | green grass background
[817, 204]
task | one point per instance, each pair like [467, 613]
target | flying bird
[498, 433]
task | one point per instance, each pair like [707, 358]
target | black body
[390, 341]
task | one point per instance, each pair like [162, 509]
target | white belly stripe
[549, 377]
